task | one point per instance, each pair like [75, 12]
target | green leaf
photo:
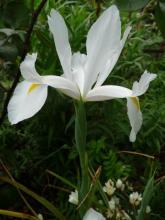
[35, 196]
[80, 138]
[15, 14]
[131, 5]
[42, 36]
[147, 195]
[17, 214]
[67, 182]
[160, 16]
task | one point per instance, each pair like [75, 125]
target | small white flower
[135, 198]
[73, 197]
[148, 209]
[118, 215]
[112, 204]
[40, 217]
[109, 213]
[109, 187]
[120, 185]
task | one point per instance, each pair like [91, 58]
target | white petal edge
[107, 92]
[91, 214]
[103, 36]
[139, 88]
[112, 59]
[135, 116]
[64, 85]
[60, 34]
[25, 104]
[27, 68]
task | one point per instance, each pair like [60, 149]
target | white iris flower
[83, 74]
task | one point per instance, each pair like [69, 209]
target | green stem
[80, 137]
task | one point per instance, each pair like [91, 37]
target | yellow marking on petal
[135, 101]
[32, 87]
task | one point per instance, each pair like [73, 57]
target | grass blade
[61, 178]
[148, 193]
[35, 196]
[17, 214]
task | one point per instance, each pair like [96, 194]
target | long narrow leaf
[61, 178]
[147, 195]
[35, 196]
[17, 214]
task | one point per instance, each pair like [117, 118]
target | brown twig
[160, 179]
[98, 7]
[24, 52]
[137, 154]
[94, 177]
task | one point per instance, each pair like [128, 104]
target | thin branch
[137, 154]
[160, 179]
[24, 52]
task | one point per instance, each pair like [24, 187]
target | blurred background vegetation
[46, 141]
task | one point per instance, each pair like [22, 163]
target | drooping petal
[64, 85]
[60, 33]
[91, 214]
[112, 58]
[135, 116]
[27, 100]
[28, 70]
[139, 88]
[103, 36]
[102, 93]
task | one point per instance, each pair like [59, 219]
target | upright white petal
[78, 74]
[28, 70]
[27, 100]
[139, 88]
[91, 214]
[112, 58]
[135, 116]
[65, 85]
[103, 36]
[102, 93]
[60, 33]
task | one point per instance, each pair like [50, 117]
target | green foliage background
[46, 141]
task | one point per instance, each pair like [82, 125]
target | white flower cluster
[122, 187]
[118, 193]
[115, 211]
[109, 187]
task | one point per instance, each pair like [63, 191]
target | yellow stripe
[135, 101]
[32, 87]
